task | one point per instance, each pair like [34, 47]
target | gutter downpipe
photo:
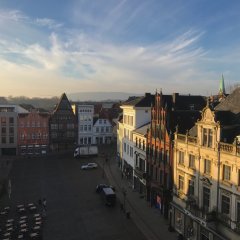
[218, 178]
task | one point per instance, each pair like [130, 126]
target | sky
[137, 46]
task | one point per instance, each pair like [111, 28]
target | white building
[85, 124]
[102, 131]
[136, 113]
[140, 165]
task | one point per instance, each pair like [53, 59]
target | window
[89, 128]
[238, 177]
[3, 139]
[180, 158]
[70, 126]
[191, 161]
[207, 137]
[207, 166]
[53, 126]
[238, 211]
[11, 120]
[3, 121]
[85, 128]
[11, 130]
[131, 152]
[100, 121]
[89, 140]
[143, 145]
[225, 204]
[4, 130]
[226, 173]
[181, 182]
[81, 140]
[206, 198]
[167, 156]
[11, 139]
[107, 129]
[191, 187]
[102, 129]
[125, 148]
[81, 128]
[104, 121]
[97, 129]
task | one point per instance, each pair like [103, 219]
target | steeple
[222, 87]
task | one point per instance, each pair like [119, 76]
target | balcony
[224, 219]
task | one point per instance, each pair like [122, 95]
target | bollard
[121, 206]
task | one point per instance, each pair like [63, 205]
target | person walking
[44, 204]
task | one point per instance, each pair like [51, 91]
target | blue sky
[137, 46]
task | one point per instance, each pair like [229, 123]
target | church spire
[222, 87]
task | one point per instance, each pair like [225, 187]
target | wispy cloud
[46, 22]
[44, 53]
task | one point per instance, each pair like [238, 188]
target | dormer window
[191, 107]
[207, 137]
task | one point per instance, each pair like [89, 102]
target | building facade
[140, 163]
[85, 124]
[206, 193]
[168, 112]
[62, 127]
[102, 131]
[33, 133]
[136, 113]
[8, 126]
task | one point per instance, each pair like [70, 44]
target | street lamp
[103, 169]
[124, 192]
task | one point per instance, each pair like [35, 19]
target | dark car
[100, 187]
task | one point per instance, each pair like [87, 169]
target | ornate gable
[208, 115]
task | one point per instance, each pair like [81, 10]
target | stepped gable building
[33, 132]
[170, 112]
[62, 126]
[9, 127]
[206, 190]
[136, 113]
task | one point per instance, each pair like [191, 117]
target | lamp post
[124, 192]
[103, 169]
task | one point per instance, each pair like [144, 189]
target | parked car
[89, 166]
[100, 187]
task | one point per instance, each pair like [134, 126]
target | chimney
[175, 96]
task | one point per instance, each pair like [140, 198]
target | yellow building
[206, 193]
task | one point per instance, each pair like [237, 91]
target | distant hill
[100, 96]
[45, 103]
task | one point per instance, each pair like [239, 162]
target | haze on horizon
[51, 47]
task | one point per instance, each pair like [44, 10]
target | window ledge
[226, 183]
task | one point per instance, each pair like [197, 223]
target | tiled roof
[145, 101]
[230, 103]
[184, 120]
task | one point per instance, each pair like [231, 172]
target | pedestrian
[40, 202]
[44, 203]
